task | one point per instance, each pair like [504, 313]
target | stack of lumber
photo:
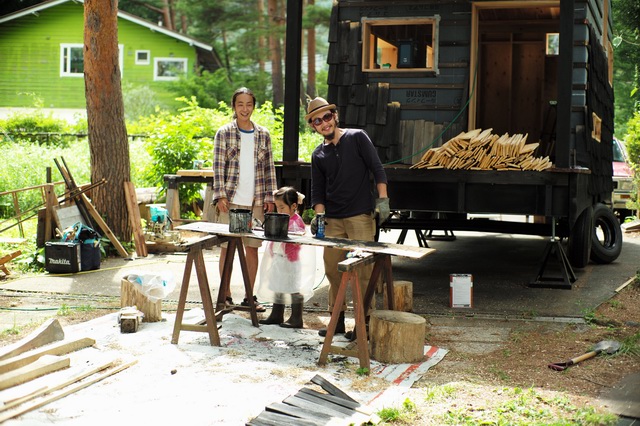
[44, 367]
[481, 150]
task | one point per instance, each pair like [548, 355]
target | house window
[142, 57]
[72, 59]
[167, 69]
[400, 44]
[553, 44]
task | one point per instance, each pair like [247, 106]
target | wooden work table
[362, 253]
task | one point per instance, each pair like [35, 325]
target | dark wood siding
[404, 114]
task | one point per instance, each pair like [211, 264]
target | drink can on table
[320, 231]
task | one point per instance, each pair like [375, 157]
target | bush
[632, 142]
[35, 126]
[27, 167]
[139, 101]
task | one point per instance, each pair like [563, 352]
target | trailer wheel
[580, 239]
[607, 235]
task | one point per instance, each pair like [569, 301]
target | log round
[131, 296]
[402, 296]
[396, 337]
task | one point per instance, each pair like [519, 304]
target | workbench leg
[182, 300]
[205, 295]
[331, 328]
[361, 338]
[388, 277]
[247, 283]
[225, 279]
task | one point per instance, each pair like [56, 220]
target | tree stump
[130, 295]
[396, 337]
[402, 296]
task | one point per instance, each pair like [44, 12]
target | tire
[580, 239]
[607, 236]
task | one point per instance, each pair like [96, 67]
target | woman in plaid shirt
[244, 175]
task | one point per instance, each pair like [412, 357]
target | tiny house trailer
[415, 74]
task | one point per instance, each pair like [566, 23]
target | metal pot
[239, 221]
[276, 225]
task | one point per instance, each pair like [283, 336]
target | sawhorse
[6, 259]
[348, 267]
[195, 257]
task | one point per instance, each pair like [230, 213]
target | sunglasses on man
[326, 118]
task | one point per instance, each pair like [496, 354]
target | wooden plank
[76, 374]
[6, 259]
[51, 221]
[331, 398]
[79, 386]
[46, 364]
[50, 331]
[381, 106]
[339, 243]
[268, 418]
[324, 403]
[290, 410]
[58, 348]
[330, 387]
[199, 172]
[134, 218]
[308, 405]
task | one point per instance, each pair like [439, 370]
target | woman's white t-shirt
[247, 176]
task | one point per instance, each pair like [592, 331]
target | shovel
[606, 346]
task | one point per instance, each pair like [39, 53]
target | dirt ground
[521, 362]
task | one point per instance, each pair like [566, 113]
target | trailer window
[400, 44]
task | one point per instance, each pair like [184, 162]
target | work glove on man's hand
[382, 209]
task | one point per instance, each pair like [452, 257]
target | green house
[42, 53]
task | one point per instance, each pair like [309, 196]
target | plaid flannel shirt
[226, 163]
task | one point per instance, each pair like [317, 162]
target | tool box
[62, 257]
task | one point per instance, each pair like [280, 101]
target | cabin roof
[33, 10]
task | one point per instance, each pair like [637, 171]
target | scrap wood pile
[481, 150]
[44, 367]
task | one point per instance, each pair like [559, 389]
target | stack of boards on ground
[44, 367]
[481, 150]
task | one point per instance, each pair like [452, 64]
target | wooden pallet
[313, 407]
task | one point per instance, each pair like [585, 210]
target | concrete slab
[624, 397]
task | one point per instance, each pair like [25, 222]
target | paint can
[276, 225]
[239, 221]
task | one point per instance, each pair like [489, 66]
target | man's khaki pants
[361, 227]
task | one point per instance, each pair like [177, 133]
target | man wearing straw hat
[340, 187]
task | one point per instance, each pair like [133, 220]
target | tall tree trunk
[311, 59]
[108, 143]
[262, 44]
[166, 12]
[275, 50]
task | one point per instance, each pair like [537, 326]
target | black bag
[89, 240]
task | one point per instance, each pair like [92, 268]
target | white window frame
[143, 61]
[368, 42]
[65, 61]
[156, 61]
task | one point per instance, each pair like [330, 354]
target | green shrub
[27, 167]
[632, 142]
[139, 101]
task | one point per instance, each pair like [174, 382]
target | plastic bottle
[320, 231]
